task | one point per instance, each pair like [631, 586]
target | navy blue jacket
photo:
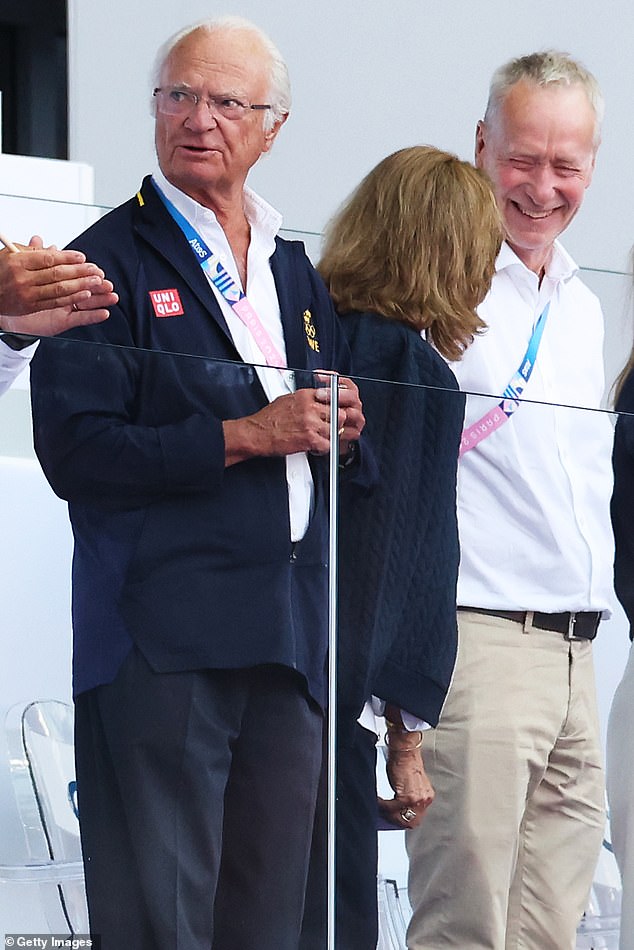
[398, 545]
[190, 561]
[622, 506]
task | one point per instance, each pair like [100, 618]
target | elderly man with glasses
[197, 496]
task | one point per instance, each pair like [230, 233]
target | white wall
[368, 78]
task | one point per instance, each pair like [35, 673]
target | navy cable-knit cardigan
[623, 501]
[398, 546]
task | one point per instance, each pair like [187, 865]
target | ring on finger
[408, 814]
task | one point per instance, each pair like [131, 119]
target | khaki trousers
[505, 857]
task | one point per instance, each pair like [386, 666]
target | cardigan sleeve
[399, 547]
[622, 504]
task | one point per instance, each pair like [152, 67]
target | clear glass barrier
[59, 222]
[37, 542]
[391, 517]
[175, 453]
[35, 575]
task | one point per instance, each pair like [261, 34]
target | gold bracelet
[411, 748]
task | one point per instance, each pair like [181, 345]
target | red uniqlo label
[166, 303]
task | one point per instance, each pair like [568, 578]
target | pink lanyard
[494, 418]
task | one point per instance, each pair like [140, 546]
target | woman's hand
[413, 792]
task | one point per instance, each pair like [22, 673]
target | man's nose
[202, 116]
[542, 184]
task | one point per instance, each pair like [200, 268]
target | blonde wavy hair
[416, 242]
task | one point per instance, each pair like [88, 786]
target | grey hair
[279, 92]
[550, 67]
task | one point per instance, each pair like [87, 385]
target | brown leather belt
[582, 625]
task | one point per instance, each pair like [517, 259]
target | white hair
[279, 91]
[550, 67]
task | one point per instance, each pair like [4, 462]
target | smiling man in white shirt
[505, 858]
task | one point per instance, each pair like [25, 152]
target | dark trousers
[196, 796]
[356, 849]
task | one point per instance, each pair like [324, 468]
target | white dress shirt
[12, 363]
[265, 222]
[533, 497]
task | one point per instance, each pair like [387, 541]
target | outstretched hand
[44, 291]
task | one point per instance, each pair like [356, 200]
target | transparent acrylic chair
[394, 915]
[599, 928]
[42, 882]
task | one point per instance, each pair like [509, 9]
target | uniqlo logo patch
[166, 303]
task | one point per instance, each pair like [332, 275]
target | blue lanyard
[226, 285]
[519, 380]
[494, 418]
[209, 261]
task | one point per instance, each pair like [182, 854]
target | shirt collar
[560, 266]
[265, 221]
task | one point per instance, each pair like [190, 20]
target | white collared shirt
[265, 222]
[533, 497]
[12, 363]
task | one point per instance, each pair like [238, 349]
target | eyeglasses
[182, 102]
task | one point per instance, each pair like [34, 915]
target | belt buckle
[569, 634]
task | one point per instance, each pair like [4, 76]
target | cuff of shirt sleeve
[412, 723]
[377, 708]
[17, 343]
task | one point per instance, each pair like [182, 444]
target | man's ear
[271, 134]
[479, 142]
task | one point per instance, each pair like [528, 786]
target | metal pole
[332, 651]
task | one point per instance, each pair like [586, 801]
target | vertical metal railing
[332, 652]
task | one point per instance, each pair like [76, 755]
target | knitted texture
[398, 546]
